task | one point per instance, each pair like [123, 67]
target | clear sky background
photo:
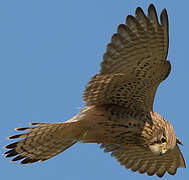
[48, 52]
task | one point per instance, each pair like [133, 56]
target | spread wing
[143, 161]
[134, 63]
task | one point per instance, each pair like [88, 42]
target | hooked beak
[163, 150]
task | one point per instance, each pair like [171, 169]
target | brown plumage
[119, 105]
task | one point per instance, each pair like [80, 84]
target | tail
[42, 142]
[46, 140]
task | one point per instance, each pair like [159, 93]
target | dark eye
[163, 140]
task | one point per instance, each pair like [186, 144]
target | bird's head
[164, 140]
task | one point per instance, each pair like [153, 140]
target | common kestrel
[119, 105]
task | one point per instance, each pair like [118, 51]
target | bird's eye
[163, 140]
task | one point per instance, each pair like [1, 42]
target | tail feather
[42, 142]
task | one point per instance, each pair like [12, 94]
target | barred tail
[42, 142]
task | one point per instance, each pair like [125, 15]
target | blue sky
[50, 50]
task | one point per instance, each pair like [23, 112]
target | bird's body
[119, 105]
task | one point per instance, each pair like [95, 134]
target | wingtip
[164, 18]
[139, 10]
[33, 123]
[151, 6]
[160, 175]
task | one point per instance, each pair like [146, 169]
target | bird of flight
[119, 105]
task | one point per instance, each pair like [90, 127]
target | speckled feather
[119, 104]
[41, 143]
[142, 160]
[134, 63]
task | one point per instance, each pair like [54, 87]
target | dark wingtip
[10, 153]
[28, 161]
[139, 9]
[33, 123]
[160, 175]
[15, 136]
[164, 18]
[21, 129]
[151, 6]
[11, 146]
[19, 157]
